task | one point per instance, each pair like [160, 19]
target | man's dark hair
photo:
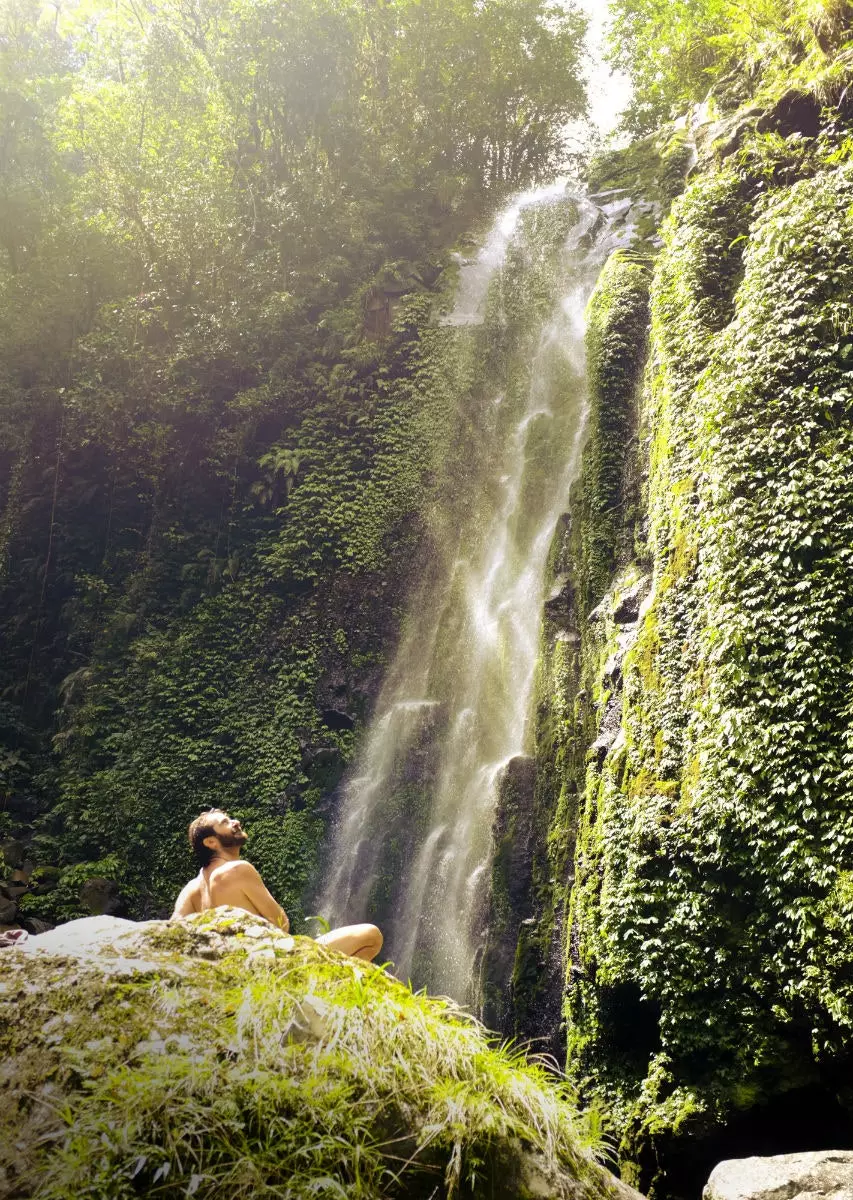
[200, 828]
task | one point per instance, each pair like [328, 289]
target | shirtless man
[226, 878]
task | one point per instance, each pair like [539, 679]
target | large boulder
[818, 1175]
[218, 1057]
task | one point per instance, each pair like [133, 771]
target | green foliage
[714, 841]
[62, 901]
[617, 317]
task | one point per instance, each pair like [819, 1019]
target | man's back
[235, 883]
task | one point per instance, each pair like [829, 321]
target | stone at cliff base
[818, 1175]
[13, 852]
[101, 896]
[217, 1057]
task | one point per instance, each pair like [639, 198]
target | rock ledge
[217, 1057]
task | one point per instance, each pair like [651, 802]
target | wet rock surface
[611, 724]
[625, 607]
[819, 1175]
[509, 899]
[629, 601]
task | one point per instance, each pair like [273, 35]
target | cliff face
[696, 713]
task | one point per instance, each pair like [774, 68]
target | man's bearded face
[230, 833]
[229, 840]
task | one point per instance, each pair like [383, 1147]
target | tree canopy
[675, 50]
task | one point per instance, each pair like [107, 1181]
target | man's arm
[188, 901]
[256, 892]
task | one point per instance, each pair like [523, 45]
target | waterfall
[410, 848]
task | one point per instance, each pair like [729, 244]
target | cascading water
[411, 845]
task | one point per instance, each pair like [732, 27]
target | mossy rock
[217, 1056]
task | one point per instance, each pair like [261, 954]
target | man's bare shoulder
[238, 869]
[189, 900]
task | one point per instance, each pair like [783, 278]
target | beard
[228, 841]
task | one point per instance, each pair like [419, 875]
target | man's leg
[361, 941]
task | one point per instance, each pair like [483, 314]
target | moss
[617, 317]
[219, 1057]
[709, 848]
[677, 156]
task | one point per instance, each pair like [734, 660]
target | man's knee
[370, 942]
[361, 941]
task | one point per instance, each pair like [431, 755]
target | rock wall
[695, 719]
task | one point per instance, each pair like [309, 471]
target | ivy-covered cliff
[695, 722]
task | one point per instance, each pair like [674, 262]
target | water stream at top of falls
[411, 846]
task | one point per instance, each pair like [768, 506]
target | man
[226, 878]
